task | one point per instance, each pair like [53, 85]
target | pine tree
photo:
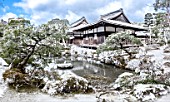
[35, 46]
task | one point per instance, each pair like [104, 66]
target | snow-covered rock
[125, 74]
[133, 64]
[123, 80]
[69, 83]
[149, 92]
[167, 49]
[116, 97]
[65, 66]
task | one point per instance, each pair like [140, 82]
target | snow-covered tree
[148, 19]
[35, 46]
[161, 23]
[163, 5]
[118, 41]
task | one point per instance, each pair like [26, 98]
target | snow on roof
[78, 27]
[111, 15]
[114, 22]
[124, 24]
[78, 22]
[142, 33]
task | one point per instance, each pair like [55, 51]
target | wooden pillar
[97, 30]
[105, 35]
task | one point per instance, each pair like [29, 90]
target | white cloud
[31, 4]
[107, 8]
[71, 16]
[8, 15]
[70, 2]
[41, 11]
[141, 13]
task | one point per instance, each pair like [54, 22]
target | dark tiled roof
[113, 15]
[78, 22]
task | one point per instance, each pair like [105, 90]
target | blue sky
[41, 11]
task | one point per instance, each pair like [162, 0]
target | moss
[20, 80]
[76, 86]
[13, 73]
[149, 81]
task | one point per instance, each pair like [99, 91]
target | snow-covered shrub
[149, 92]
[140, 86]
[16, 79]
[124, 80]
[68, 84]
[14, 76]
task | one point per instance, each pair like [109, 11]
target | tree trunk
[22, 65]
[64, 42]
[121, 47]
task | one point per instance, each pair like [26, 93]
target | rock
[125, 74]
[64, 66]
[108, 60]
[167, 64]
[167, 49]
[98, 81]
[69, 83]
[133, 64]
[149, 92]
[115, 96]
[167, 57]
[124, 80]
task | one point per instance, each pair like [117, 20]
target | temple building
[16, 23]
[91, 35]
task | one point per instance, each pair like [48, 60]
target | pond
[84, 67]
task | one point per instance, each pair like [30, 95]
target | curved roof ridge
[117, 11]
[79, 21]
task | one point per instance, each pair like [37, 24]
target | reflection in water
[83, 68]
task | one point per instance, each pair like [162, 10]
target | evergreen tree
[118, 41]
[148, 19]
[164, 5]
[36, 46]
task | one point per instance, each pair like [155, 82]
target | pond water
[84, 67]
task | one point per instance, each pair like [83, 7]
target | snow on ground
[82, 51]
[158, 56]
[3, 87]
[13, 96]
[164, 98]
